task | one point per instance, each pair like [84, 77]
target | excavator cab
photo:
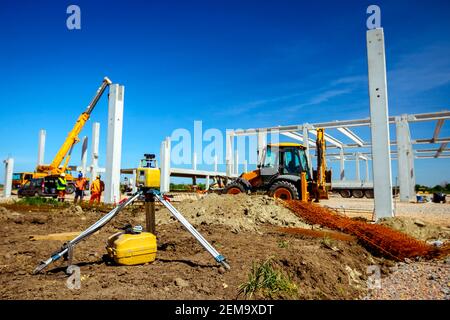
[283, 159]
[284, 173]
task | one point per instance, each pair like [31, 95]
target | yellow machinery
[65, 150]
[131, 248]
[148, 174]
[284, 173]
[72, 138]
[321, 173]
[20, 178]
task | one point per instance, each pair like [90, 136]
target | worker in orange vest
[97, 187]
[80, 186]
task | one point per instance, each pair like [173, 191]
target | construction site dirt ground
[246, 230]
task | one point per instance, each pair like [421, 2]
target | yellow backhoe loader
[284, 173]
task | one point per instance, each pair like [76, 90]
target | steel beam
[437, 129]
[351, 135]
[329, 139]
[441, 149]
[393, 143]
[346, 123]
[299, 137]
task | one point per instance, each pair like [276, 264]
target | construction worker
[80, 185]
[61, 184]
[97, 187]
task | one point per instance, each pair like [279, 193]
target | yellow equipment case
[131, 249]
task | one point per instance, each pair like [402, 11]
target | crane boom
[72, 137]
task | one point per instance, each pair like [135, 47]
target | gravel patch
[415, 281]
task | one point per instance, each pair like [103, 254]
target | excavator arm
[72, 137]
[321, 164]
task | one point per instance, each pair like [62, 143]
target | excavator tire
[284, 190]
[234, 188]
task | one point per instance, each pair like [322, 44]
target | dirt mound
[240, 212]
[417, 228]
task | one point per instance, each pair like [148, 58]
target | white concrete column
[412, 183]
[207, 183]
[381, 164]
[94, 149]
[165, 165]
[84, 148]
[114, 143]
[229, 154]
[216, 164]
[405, 160]
[357, 168]
[194, 160]
[367, 170]
[41, 147]
[9, 168]
[306, 127]
[236, 162]
[261, 144]
[342, 164]
[133, 184]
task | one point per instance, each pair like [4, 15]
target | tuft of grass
[39, 201]
[283, 244]
[266, 279]
[327, 242]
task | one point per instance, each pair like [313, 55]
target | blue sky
[231, 64]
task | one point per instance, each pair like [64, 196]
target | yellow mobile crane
[65, 150]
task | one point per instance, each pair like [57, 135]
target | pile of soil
[417, 228]
[239, 212]
[335, 270]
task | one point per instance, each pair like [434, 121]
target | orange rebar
[318, 233]
[381, 239]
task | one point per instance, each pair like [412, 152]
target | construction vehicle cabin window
[270, 158]
[291, 162]
[304, 163]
